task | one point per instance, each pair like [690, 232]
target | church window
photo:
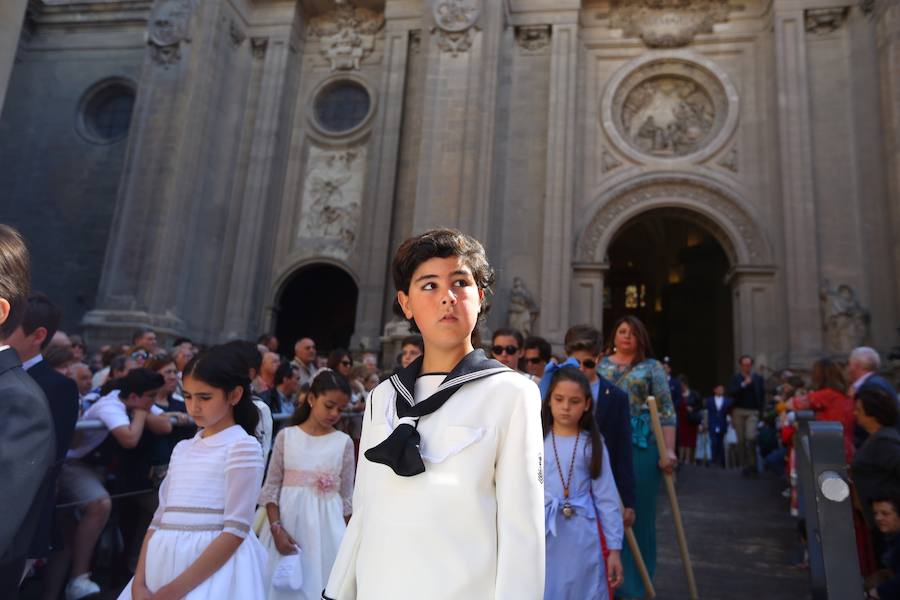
[105, 111]
[341, 106]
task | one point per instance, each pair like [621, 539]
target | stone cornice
[90, 14]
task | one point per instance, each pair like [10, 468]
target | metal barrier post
[822, 471]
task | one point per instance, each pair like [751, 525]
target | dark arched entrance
[318, 301]
[670, 271]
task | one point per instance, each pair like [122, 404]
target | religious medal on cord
[567, 510]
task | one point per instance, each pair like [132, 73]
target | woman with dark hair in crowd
[341, 362]
[628, 363]
[309, 486]
[199, 545]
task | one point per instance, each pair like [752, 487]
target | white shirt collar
[861, 380]
[2, 348]
[32, 361]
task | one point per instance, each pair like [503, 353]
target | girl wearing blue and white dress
[583, 519]
[200, 545]
[308, 490]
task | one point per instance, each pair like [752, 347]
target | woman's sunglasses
[347, 363]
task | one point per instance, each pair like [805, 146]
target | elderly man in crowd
[305, 359]
[862, 367]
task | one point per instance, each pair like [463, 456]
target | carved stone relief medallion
[455, 15]
[455, 24]
[332, 197]
[669, 108]
[168, 26]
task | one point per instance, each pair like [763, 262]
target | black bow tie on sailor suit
[400, 451]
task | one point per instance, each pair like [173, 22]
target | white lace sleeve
[348, 474]
[271, 490]
[243, 477]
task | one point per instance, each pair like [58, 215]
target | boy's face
[444, 301]
[500, 350]
[588, 363]
[719, 390]
[534, 364]
[886, 518]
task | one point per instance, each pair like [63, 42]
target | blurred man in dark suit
[27, 442]
[30, 339]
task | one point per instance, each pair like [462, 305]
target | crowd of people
[232, 471]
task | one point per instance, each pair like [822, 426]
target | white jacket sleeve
[342, 581]
[520, 502]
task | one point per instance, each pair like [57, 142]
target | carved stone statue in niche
[668, 116]
[523, 310]
[331, 196]
[346, 35]
[845, 322]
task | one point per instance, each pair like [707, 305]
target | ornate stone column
[559, 192]
[886, 14]
[456, 157]
[587, 301]
[753, 307]
[797, 191]
[175, 213]
[380, 190]
[12, 14]
[261, 190]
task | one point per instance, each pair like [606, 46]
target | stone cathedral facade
[185, 161]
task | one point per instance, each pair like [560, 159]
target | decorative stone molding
[672, 108]
[258, 46]
[332, 196]
[719, 213]
[237, 34]
[168, 27]
[825, 20]
[533, 38]
[455, 24]
[730, 160]
[667, 23]
[608, 162]
[415, 41]
[346, 35]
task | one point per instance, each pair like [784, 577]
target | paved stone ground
[740, 535]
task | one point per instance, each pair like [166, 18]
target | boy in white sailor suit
[449, 490]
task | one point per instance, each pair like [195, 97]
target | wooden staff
[673, 500]
[638, 559]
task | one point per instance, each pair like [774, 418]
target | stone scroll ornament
[168, 27]
[455, 24]
[667, 23]
[346, 35]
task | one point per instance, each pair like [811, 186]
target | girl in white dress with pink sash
[308, 490]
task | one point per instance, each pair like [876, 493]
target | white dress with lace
[210, 488]
[311, 480]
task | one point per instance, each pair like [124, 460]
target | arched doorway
[668, 269]
[317, 301]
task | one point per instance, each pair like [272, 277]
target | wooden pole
[673, 500]
[639, 561]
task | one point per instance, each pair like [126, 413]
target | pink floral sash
[324, 482]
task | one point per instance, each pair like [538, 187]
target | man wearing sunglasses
[506, 347]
